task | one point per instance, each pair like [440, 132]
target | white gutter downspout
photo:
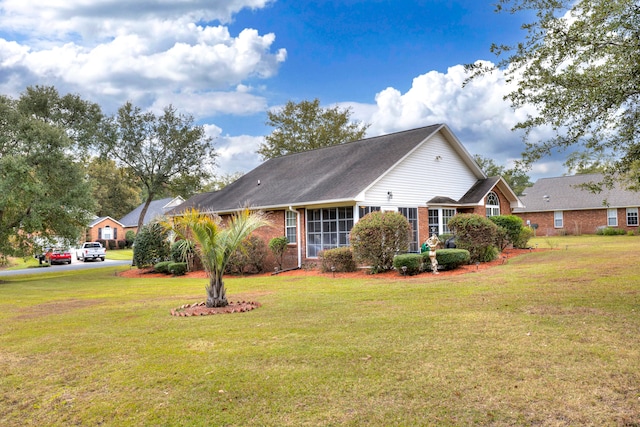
[298, 236]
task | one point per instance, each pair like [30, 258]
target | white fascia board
[349, 202]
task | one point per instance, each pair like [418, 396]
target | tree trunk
[143, 212]
[216, 293]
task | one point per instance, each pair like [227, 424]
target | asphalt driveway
[75, 265]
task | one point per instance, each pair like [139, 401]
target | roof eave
[285, 206]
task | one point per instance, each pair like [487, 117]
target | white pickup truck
[91, 250]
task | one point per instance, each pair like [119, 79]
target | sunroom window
[327, 229]
[412, 216]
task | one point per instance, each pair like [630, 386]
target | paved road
[75, 265]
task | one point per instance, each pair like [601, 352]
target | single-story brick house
[559, 206]
[157, 209]
[104, 228]
[315, 197]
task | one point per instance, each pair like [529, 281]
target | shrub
[102, 242]
[512, 226]
[522, 242]
[552, 243]
[184, 251]
[502, 239]
[122, 244]
[177, 268]
[488, 253]
[111, 244]
[339, 258]
[181, 250]
[378, 237]
[249, 257]
[162, 267]
[278, 246]
[151, 246]
[412, 262]
[477, 234]
[611, 231]
[448, 259]
[129, 238]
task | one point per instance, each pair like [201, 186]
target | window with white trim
[447, 214]
[612, 217]
[440, 217]
[364, 210]
[327, 229]
[106, 233]
[291, 222]
[558, 219]
[632, 217]
[434, 221]
[493, 204]
[412, 216]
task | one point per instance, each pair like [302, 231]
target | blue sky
[397, 64]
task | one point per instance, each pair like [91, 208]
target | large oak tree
[115, 189]
[579, 65]
[159, 150]
[306, 126]
[44, 194]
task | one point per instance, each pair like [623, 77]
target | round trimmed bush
[162, 267]
[477, 234]
[177, 268]
[378, 237]
[448, 259]
[413, 262]
[339, 258]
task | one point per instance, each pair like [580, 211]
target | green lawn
[549, 338]
[120, 254]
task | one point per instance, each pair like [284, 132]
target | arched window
[493, 204]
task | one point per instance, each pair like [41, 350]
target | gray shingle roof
[479, 190]
[334, 173]
[156, 209]
[563, 193]
[98, 220]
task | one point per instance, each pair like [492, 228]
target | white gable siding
[434, 169]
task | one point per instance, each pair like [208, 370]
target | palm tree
[215, 243]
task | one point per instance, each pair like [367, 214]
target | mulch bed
[200, 309]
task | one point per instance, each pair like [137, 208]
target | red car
[58, 256]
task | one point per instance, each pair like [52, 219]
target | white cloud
[164, 51]
[97, 19]
[477, 113]
[204, 105]
[237, 153]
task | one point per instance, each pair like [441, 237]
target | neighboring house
[315, 197]
[558, 206]
[157, 209]
[104, 228]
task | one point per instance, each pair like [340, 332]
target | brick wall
[575, 222]
[277, 228]
[93, 234]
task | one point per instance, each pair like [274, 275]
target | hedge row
[448, 259]
[170, 267]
